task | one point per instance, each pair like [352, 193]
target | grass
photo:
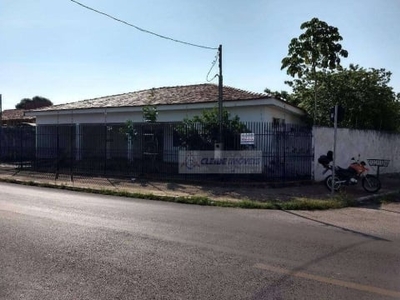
[341, 200]
[395, 197]
[386, 198]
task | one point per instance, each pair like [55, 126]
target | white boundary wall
[350, 143]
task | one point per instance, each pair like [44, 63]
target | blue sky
[61, 51]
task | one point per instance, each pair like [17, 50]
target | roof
[15, 115]
[190, 94]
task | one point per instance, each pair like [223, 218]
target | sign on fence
[247, 138]
[220, 162]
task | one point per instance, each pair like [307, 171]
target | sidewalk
[228, 192]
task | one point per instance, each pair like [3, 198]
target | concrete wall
[350, 143]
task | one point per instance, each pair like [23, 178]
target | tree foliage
[369, 102]
[317, 48]
[150, 113]
[34, 103]
[314, 58]
[282, 95]
[201, 132]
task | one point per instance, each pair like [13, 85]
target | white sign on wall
[247, 138]
[220, 162]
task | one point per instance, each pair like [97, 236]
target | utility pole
[335, 123]
[1, 111]
[1, 122]
[337, 115]
[220, 93]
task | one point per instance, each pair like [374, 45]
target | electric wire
[143, 30]
[212, 67]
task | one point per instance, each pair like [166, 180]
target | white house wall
[368, 143]
[260, 113]
[263, 114]
[88, 117]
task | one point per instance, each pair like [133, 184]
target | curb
[307, 204]
[371, 198]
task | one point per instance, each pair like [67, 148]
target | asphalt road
[64, 245]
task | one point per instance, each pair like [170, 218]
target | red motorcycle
[355, 172]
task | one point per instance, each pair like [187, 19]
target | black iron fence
[17, 145]
[281, 152]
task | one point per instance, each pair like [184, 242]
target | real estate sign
[220, 162]
[247, 138]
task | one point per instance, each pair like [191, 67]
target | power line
[212, 67]
[144, 30]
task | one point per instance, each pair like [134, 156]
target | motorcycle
[351, 176]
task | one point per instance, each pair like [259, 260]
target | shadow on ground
[218, 191]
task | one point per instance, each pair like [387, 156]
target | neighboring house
[17, 136]
[16, 117]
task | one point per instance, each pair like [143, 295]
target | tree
[316, 49]
[34, 103]
[150, 113]
[369, 102]
[201, 132]
[284, 96]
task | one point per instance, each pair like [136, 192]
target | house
[17, 132]
[91, 129]
[173, 105]
[16, 117]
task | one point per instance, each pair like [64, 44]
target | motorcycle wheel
[371, 183]
[329, 181]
